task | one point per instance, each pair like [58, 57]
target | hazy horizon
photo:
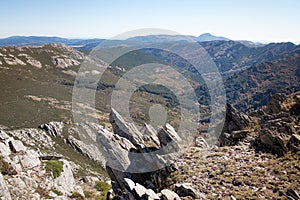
[258, 21]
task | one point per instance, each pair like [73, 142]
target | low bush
[55, 166]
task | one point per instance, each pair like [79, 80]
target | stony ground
[239, 172]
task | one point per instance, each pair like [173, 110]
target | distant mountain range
[251, 72]
[209, 37]
[42, 40]
[87, 44]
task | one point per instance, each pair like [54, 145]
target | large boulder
[16, 146]
[275, 104]
[294, 143]
[4, 149]
[234, 127]
[65, 182]
[272, 141]
[126, 130]
[30, 159]
[186, 189]
[89, 150]
[235, 120]
[131, 163]
[3, 135]
[169, 195]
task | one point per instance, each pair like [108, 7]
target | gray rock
[294, 143]
[150, 136]
[169, 195]
[201, 142]
[167, 135]
[110, 195]
[65, 182]
[233, 130]
[33, 137]
[53, 128]
[275, 104]
[89, 150]
[239, 134]
[293, 193]
[152, 195]
[30, 159]
[128, 157]
[16, 146]
[4, 192]
[235, 120]
[272, 141]
[126, 130]
[15, 164]
[139, 190]
[186, 189]
[4, 149]
[3, 135]
[129, 183]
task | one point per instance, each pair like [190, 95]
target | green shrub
[88, 194]
[102, 186]
[55, 166]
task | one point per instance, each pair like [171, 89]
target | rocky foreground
[257, 157]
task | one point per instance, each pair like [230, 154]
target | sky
[254, 20]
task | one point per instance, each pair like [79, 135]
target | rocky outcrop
[135, 171]
[235, 120]
[89, 150]
[53, 128]
[25, 175]
[61, 56]
[65, 182]
[33, 137]
[279, 125]
[234, 127]
[126, 130]
[275, 104]
[186, 189]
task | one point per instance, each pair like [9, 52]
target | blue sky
[256, 20]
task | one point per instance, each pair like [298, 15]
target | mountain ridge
[41, 40]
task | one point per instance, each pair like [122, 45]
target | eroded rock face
[61, 55]
[275, 104]
[53, 128]
[233, 130]
[279, 126]
[140, 171]
[65, 182]
[235, 120]
[24, 172]
[126, 130]
[186, 189]
[33, 137]
[272, 141]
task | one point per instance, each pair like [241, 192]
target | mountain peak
[209, 37]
